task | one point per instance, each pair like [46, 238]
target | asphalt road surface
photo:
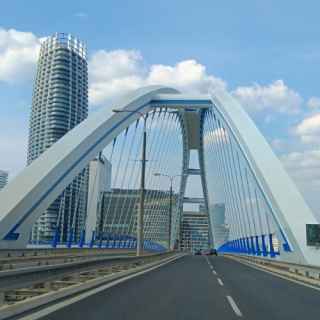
[199, 288]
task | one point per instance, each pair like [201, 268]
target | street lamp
[171, 178]
[140, 218]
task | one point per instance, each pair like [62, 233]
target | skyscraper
[60, 102]
[3, 178]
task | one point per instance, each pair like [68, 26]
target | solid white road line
[278, 275]
[220, 282]
[234, 306]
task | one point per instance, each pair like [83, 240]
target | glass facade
[60, 102]
[194, 231]
[119, 214]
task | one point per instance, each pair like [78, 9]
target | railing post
[248, 245]
[55, 239]
[272, 252]
[82, 239]
[264, 247]
[253, 249]
[92, 239]
[258, 251]
[70, 239]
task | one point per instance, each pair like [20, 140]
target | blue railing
[254, 245]
[111, 241]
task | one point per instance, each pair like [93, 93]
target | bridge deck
[190, 289]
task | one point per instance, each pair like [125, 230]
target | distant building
[99, 182]
[220, 228]
[119, 214]
[59, 103]
[194, 230]
[3, 178]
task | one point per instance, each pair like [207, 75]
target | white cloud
[303, 161]
[114, 73]
[309, 129]
[13, 144]
[276, 97]
[304, 168]
[187, 75]
[18, 55]
[314, 103]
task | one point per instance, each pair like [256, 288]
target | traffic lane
[183, 290]
[261, 295]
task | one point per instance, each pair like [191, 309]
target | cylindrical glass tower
[60, 102]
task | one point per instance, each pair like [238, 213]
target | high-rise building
[99, 182]
[194, 231]
[60, 102]
[3, 178]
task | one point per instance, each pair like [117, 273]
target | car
[197, 252]
[210, 252]
[214, 252]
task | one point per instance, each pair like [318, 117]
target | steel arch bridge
[264, 212]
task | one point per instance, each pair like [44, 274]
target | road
[200, 288]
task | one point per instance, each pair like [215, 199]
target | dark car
[197, 252]
[210, 252]
[214, 252]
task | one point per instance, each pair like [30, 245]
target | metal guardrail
[304, 272]
[23, 259]
[24, 277]
[38, 252]
[25, 300]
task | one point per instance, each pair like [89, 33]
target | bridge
[262, 218]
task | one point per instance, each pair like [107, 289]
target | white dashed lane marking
[220, 282]
[234, 306]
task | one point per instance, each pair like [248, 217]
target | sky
[265, 53]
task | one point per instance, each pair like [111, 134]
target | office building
[120, 208]
[194, 231]
[60, 102]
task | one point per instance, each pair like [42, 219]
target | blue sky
[266, 53]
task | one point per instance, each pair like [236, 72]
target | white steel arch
[286, 202]
[29, 194]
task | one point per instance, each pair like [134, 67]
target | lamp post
[140, 218]
[171, 178]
